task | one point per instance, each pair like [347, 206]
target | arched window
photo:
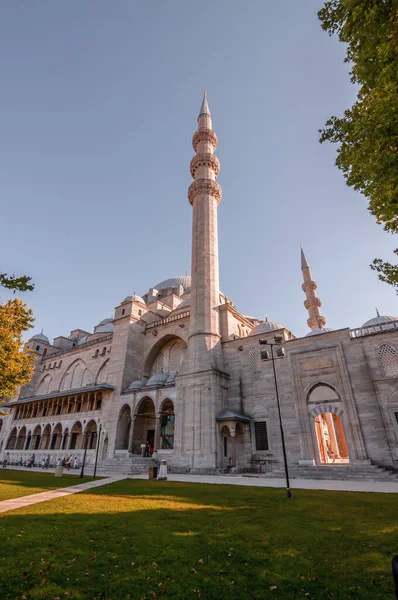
[388, 357]
[255, 360]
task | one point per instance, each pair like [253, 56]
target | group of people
[68, 463]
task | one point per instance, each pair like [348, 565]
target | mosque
[177, 374]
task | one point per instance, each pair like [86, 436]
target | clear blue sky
[98, 105]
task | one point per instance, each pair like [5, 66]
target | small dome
[40, 337]
[174, 282]
[133, 298]
[82, 340]
[380, 320]
[158, 379]
[171, 379]
[184, 303]
[106, 321]
[136, 385]
[266, 327]
[108, 328]
[318, 331]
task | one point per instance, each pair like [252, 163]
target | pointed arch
[102, 374]
[75, 375]
[76, 436]
[44, 385]
[123, 428]
[56, 437]
[36, 437]
[21, 440]
[90, 435]
[46, 437]
[12, 440]
[166, 355]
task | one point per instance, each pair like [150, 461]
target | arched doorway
[45, 440]
[331, 439]
[21, 439]
[123, 428]
[12, 440]
[90, 435]
[167, 425]
[56, 438]
[36, 437]
[76, 436]
[144, 427]
[226, 446]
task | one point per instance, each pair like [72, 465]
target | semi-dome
[107, 328]
[174, 282]
[184, 303]
[106, 321]
[318, 331]
[266, 327]
[40, 337]
[82, 340]
[380, 320]
[158, 379]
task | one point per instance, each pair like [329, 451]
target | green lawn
[14, 484]
[149, 539]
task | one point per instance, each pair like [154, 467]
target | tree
[16, 364]
[367, 134]
[20, 284]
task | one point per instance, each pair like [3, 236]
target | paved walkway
[385, 487]
[14, 503]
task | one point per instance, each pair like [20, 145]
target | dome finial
[186, 273]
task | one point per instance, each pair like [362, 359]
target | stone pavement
[14, 503]
[295, 484]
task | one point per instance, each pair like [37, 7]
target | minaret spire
[312, 302]
[204, 195]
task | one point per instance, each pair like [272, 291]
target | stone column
[131, 435]
[156, 442]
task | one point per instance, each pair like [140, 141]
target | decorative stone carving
[204, 186]
[204, 135]
[205, 159]
[317, 363]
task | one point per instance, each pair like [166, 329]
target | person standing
[5, 460]
[75, 463]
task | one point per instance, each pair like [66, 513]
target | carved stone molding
[309, 285]
[206, 159]
[204, 135]
[310, 302]
[204, 186]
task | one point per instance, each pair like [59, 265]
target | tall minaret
[204, 194]
[312, 302]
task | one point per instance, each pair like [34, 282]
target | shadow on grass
[140, 539]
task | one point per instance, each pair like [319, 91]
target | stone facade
[181, 369]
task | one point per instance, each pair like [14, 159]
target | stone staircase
[357, 472]
[125, 465]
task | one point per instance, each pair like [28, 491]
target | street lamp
[265, 355]
[96, 453]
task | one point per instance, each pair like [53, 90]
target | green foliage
[20, 284]
[16, 364]
[367, 134]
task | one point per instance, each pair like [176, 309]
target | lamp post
[96, 453]
[265, 355]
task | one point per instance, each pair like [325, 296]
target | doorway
[331, 440]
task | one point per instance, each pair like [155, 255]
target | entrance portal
[331, 439]
[144, 427]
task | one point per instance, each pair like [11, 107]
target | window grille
[255, 360]
[388, 357]
[261, 435]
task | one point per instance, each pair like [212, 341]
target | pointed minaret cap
[204, 109]
[304, 261]
[377, 312]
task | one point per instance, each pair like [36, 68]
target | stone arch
[28, 440]
[90, 435]
[76, 437]
[21, 439]
[144, 424]
[167, 424]
[162, 349]
[321, 391]
[65, 439]
[46, 437]
[44, 385]
[56, 438]
[36, 437]
[123, 428]
[326, 408]
[12, 439]
[102, 374]
[75, 375]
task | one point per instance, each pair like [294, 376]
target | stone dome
[106, 321]
[174, 282]
[184, 303]
[158, 379]
[40, 337]
[107, 328]
[266, 327]
[380, 320]
[133, 298]
[318, 331]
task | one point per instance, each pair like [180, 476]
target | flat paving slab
[384, 487]
[15, 503]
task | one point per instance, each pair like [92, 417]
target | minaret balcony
[204, 186]
[204, 135]
[206, 160]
